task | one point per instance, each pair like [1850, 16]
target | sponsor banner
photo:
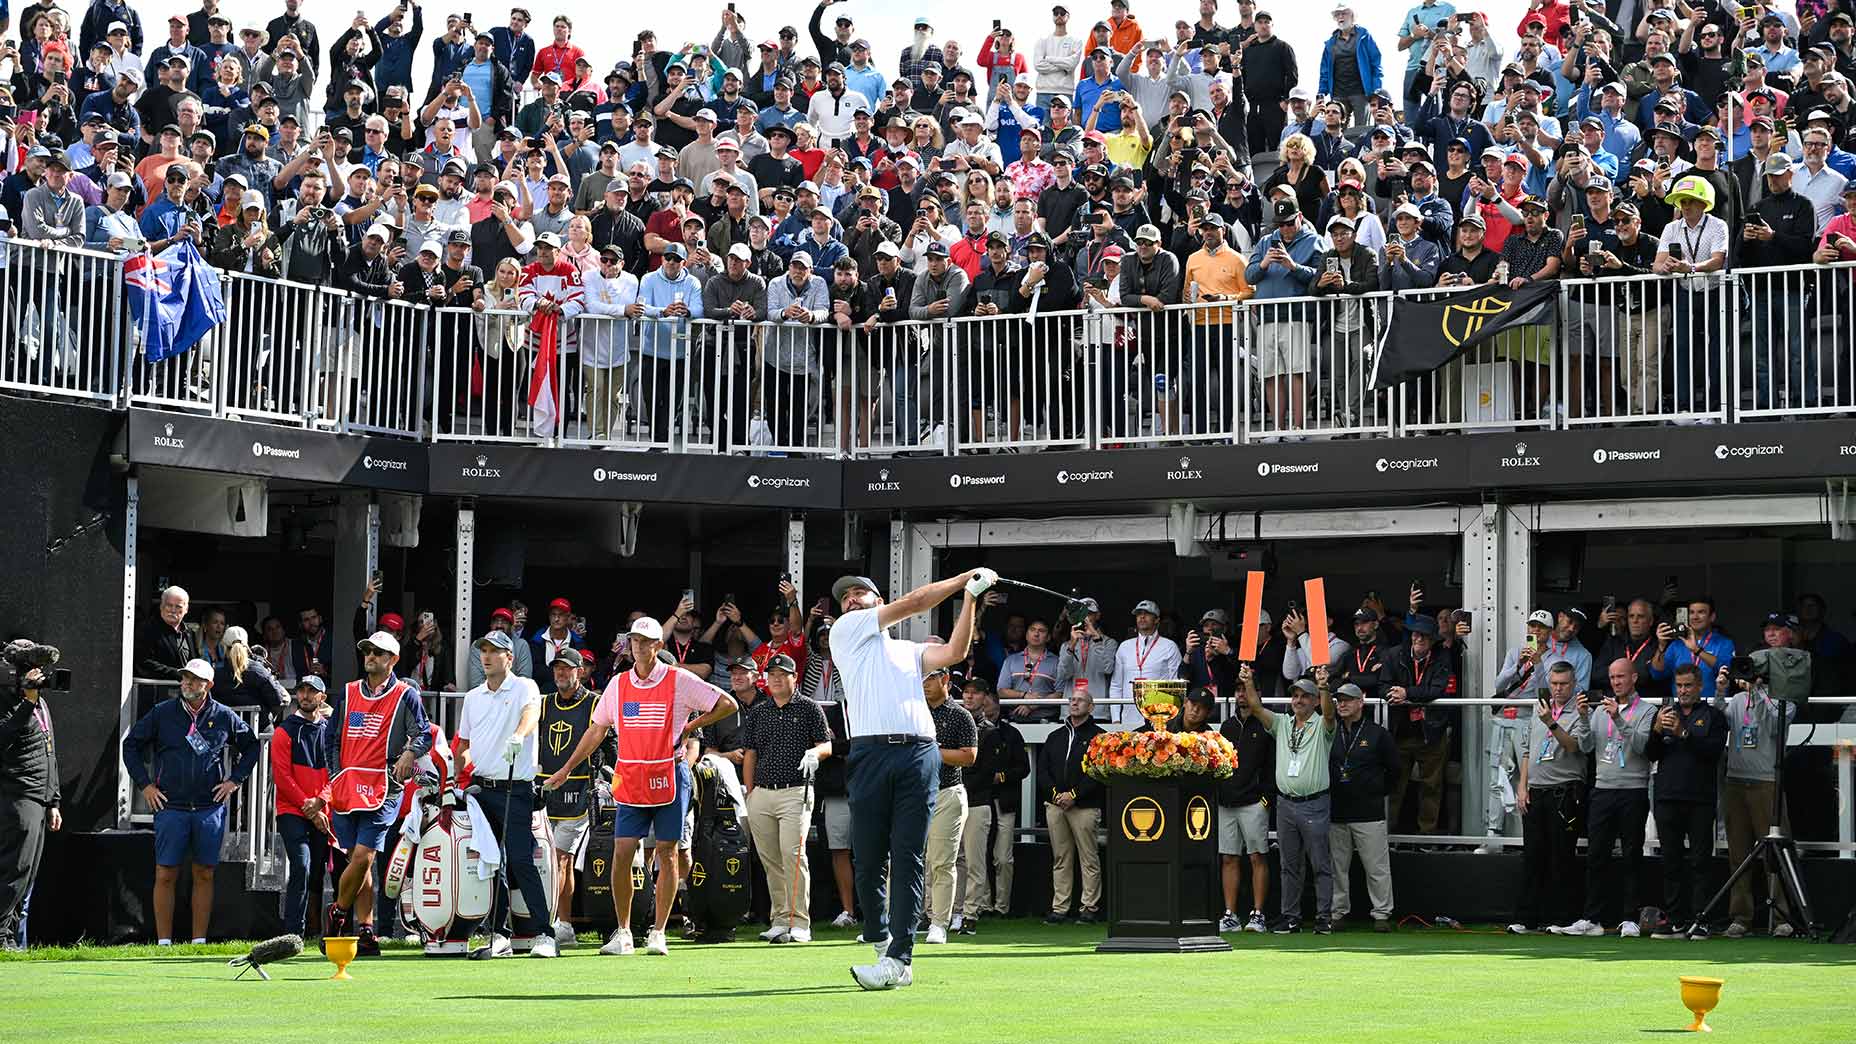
[241, 448]
[1698, 455]
[1386, 466]
[579, 474]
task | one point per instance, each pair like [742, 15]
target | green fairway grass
[1018, 981]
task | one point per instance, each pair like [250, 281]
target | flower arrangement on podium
[1159, 754]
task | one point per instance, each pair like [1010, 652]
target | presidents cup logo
[1186, 472]
[957, 480]
[1266, 468]
[260, 449]
[1384, 464]
[482, 470]
[602, 475]
[1722, 452]
[166, 439]
[778, 482]
[883, 484]
[1520, 458]
[1460, 322]
[1605, 456]
[1064, 478]
[372, 463]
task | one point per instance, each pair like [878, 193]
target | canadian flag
[544, 398]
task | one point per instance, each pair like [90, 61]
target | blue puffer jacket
[1365, 53]
[187, 776]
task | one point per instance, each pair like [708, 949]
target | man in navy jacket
[184, 741]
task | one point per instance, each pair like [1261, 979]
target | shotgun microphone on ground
[270, 951]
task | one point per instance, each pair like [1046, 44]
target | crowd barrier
[1741, 345]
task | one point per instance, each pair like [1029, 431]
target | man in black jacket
[1072, 810]
[1414, 676]
[992, 800]
[166, 644]
[1780, 231]
[1362, 766]
[1243, 809]
[29, 797]
[1364, 664]
[1686, 742]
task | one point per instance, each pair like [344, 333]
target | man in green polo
[1302, 745]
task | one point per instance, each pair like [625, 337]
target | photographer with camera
[29, 795]
[1755, 722]
[1693, 641]
[1631, 635]
[1551, 798]
[1618, 731]
[1686, 743]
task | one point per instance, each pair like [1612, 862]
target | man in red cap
[558, 635]
[503, 620]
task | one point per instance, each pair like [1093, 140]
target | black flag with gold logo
[1424, 335]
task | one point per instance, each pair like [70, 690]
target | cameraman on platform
[28, 800]
[1755, 724]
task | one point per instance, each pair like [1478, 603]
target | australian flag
[175, 299]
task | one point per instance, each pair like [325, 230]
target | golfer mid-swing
[894, 765]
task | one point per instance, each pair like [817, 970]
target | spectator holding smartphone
[1619, 724]
[1551, 798]
[1686, 743]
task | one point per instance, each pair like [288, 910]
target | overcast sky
[606, 39]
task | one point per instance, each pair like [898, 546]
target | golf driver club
[1071, 602]
[792, 890]
[488, 949]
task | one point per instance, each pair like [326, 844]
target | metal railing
[251, 812]
[1747, 344]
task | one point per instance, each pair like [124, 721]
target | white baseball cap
[1541, 617]
[740, 250]
[380, 640]
[645, 627]
[199, 669]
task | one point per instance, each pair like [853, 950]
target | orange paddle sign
[1316, 592]
[1253, 612]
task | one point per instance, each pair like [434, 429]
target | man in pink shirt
[655, 707]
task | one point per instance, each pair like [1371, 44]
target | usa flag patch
[363, 725]
[644, 716]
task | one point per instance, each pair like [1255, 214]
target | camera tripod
[1777, 853]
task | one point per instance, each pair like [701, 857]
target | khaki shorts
[569, 835]
[1243, 828]
[1282, 348]
[838, 824]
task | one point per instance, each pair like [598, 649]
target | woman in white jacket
[606, 344]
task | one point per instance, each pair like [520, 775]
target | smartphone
[1675, 251]
[1532, 643]
[467, 19]
[426, 618]
[729, 599]
[1611, 602]
[995, 25]
[1463, 616]
[689, 595]
[1333, 266]
[376, 578]
[731, 8]
[1578, 221]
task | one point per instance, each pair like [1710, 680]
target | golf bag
[595, 892]
[719, 858]
[436, 874]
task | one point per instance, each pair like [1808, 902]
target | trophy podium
[1162, 877]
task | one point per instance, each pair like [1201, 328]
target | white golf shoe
[543, 947]
[564, 934]
[773, 934]
[886, 974]
[936, 935]
[844, 920]
[655, 943]
[619, 944]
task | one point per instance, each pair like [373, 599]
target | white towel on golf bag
[725, 771]
[415, 814]
[482, 841]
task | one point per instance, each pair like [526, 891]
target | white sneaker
[1229, 923]
[564, 934]
[1579, 927]
[797, 935]
[886, 974]
[656, 944]
[1256, 923]
[1782, 930]
[954, 924]
[619, 944]
[844, 920]
[936, 935]
[938, 439]
[1519, 929]
[500, 946]
[543, 947]
[773, 934]
[1629, 930]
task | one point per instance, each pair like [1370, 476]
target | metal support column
[796, 552]
[357, 555]
[1497, 587]
[464, 543]
[126, 681]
